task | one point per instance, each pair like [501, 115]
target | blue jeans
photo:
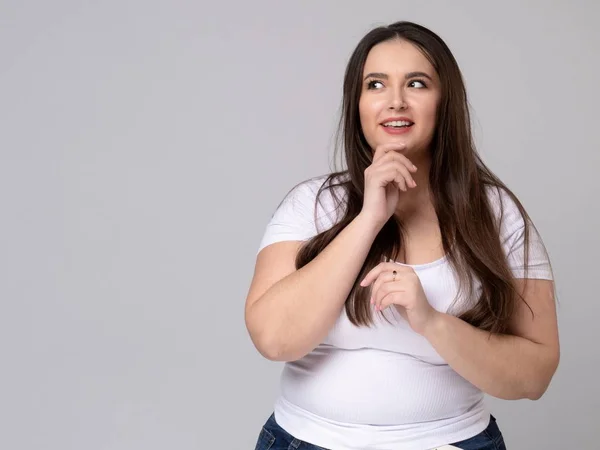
[273, 437]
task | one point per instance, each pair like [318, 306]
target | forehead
[397, 57]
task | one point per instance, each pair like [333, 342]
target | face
[399, 83]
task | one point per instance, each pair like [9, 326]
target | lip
[392, 119]
[396, 131]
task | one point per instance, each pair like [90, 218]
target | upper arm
[535, 319]
[273, 263]
[290, 225]
[538, 324]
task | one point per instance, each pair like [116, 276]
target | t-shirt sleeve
[293, 220]
[512, 238]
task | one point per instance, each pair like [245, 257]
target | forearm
[504, 366]
[297, 312]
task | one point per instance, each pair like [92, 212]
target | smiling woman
[399, 291]
[398, 75]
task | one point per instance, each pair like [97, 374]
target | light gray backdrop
[145, 145]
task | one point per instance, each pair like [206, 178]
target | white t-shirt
[385, 386]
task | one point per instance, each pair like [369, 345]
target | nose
[397, 100]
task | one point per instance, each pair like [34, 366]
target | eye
[422, 83]
[371, 84]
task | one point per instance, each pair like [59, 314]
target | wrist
[434, 325]
[370, 226]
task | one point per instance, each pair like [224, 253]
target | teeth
[397, 123]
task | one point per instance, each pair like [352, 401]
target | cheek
[434, 105]
[433, 112]
[367, 117]
[364, 111]
[429, 114]
[369, 112]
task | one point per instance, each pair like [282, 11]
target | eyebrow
[406, 77]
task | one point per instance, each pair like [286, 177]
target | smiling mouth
[398, 124]
[397, 130]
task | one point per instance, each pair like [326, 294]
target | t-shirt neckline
[428, 265]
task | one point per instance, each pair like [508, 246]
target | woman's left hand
[402, 289]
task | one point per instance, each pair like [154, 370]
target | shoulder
[500, 199]
[306, 190]
[322, 197]
[309, 188]
[522, 244]
[308, 208]
[506, 208]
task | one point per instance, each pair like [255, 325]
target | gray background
[145, 145]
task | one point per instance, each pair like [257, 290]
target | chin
[411, 145]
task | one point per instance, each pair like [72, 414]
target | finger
[404, 160]
[403, 178]
[383, 149]
[403, 168]
[397, 156]
[405, 174]
[369, 277]
[382, 290]
[383, 267]
[395, 297]
[383, 277]
[389, 293]
[386, 283]
[401, 181]
[394, 175]
[373, 274]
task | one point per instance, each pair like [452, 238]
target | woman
[402, 289]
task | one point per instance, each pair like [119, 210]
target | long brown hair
[458, 179]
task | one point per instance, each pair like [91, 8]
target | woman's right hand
[389, 173]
